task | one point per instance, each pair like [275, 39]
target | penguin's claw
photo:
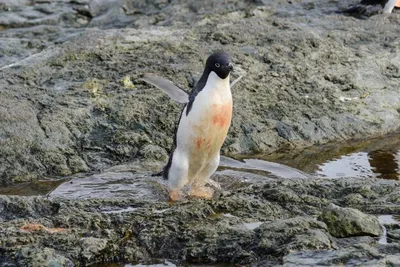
[174, 195]
[201, 192]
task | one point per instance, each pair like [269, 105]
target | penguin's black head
[220, 63]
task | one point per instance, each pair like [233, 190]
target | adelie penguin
[202, 127]
[371, 7]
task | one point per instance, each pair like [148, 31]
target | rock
[71, 101]
[154, 152]
[92, 247]
[296, 233]
[345, 222]
[37, 257]
[124, 217]
[393, 232]
[77, 164]
[393, 235]
[67, 87]
[25, 207]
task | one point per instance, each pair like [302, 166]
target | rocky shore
[71, 102]
[293, 222]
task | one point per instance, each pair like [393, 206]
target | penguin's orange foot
[398, 3]
[201, 192]
[174, 195]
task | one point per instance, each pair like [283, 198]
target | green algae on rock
[307, 81]
[135, 228]
[346, 222]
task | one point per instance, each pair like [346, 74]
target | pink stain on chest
[200, 141]
[222, 115]
[213, 128]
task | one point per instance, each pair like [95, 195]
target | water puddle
[374, 158]
[165, 264]
[31, 188]
[111, 185]
[155, 264]
[159, 264]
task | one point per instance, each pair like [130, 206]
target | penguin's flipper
[176, 93]
[235, 81]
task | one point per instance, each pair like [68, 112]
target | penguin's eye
[217, 65]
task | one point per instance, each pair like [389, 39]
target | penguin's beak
[230, 66]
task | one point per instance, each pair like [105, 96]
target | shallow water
[110, 185]
[378, 158]
[32, 188]
[158, 264]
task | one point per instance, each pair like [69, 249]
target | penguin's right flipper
[176, 93]
[235, 81]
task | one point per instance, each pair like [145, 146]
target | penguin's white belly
[202, 133]
[206, 134]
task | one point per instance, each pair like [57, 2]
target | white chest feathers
[203, 131]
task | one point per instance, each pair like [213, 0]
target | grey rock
[51, 58]
[132, 221]
[311, 76]
[297, 233]
[92, 247]
[393, 232]
[36, 257]
[345, 222]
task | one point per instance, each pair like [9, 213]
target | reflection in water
[373, 164]
[353, 165]
[385, 165]
[363, 159]
[378, 158]
[379, 164]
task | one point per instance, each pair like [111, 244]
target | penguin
[371, 7]
[202, 127]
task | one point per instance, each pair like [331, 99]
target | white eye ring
[217, 65]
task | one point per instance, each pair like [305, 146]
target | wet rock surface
[264, 224]
[71, 100]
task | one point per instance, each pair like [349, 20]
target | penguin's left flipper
[176, 93]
